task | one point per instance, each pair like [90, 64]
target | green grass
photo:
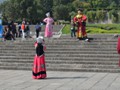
[97, 29]
[66, 29]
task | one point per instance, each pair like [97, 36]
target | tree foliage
[35, 10]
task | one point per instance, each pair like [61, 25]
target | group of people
[78, 29]
[24, 29]
[39, 68]
[79, 21]
[12, 30]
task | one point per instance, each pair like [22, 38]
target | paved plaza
[21, 80]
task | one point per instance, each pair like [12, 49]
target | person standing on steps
[49, 27]
[28, 30]
[73, 30]
[118, 49]
[19, 30]
[38, 29]
[39, 68]
[80, 22]
[23, 30]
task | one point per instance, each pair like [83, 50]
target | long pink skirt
[39, 69]
[48, 31]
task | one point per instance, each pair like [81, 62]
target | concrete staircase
[64, 54]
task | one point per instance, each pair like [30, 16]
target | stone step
[83, 55]
[77, 66]
[113, 45]
[100, 45]
[75, 39]
[62, 61]
[66, 64]
[72, 48]
[85, 70]
[95, 35]
[58, 52]
[71, 39]
[62, 58]
[63, 65]
[61, 40]
[63, 44]
[63, 54]
[64, 68]
[91, 38]
[63, 49]
[83, 58]
[59, 55]
[102, 59]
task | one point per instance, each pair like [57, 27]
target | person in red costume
[118, 49]
[80, 21]
[39, 68]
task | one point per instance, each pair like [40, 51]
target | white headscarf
[40, 39]
[48, 14]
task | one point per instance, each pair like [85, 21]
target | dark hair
[80, 9]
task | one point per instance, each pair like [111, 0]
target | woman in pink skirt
[39, 68]
[49, 27]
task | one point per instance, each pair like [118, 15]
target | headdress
[80, 9]
[40, 39]
[23, 22]
[48, 14]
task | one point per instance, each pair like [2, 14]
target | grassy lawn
[97, 29]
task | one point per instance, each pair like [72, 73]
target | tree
[64, 2]
[115, 16]
[72, 14]
[77, 4]
[61, 12]
[91, 16]
[35, 10]
[113, 5]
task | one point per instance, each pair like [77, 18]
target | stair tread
[64, 54]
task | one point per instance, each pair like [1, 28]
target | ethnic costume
[118, 48]
[80, 21]
[118, 45]
[49, 27]
[39, 68]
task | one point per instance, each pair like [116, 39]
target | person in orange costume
[80, 21]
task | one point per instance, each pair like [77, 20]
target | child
[73, 31]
